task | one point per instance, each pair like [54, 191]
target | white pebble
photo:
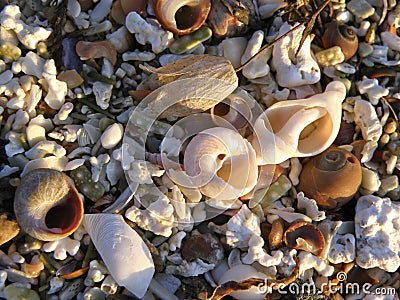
[112, 136]
[34, 134]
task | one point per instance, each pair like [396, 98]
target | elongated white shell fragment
[123, 251]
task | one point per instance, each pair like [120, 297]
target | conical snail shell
[299, 128]
[47, 205]
[331, 178]
[123, 251]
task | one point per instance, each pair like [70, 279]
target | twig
[307, 30]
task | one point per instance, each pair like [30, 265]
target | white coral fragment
[45, 148]
[102, 91]
[343, 249]
[259, 66]
[291, 69]
[241, 227]
[188, 269]
[373, 90]
[57, 89]
[158, 217]
[147, 33]
[61, 247]
[29, 36]
[377, 227]
[257, 253]
[366, 118]
[310, 261]
[310, 206]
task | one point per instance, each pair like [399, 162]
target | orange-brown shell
[304, 236]
[339, 34]
[188, 17]
[47, 206]
[331, 178]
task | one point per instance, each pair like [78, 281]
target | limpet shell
[47, 205]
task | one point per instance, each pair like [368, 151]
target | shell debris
[205, 141]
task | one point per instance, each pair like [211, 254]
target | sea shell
[47, 205]
[339, 34]
[299, 128]
[233, 109]
[182, 17]
[331, 178]
[304, 236]
[220, 162]
[123, 251]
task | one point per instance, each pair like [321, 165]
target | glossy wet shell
[47, 205]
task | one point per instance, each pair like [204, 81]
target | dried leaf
[189, 85]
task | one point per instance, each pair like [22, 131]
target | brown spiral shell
[47, 206]
[188, 16]
[331, 178]
[339, 34]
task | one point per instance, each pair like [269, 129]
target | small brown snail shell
[304, 236]
[339, 34]
[331, 178]
[182, 17]
[47, 205]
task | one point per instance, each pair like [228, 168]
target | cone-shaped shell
[331, 178]
[123, 251]
[299, 128]
[47, 205]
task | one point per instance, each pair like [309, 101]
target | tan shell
[339, 34]
[331, 178]
[182, 16]
[304, 236]
[220, 162]
[189, 85]
[47, 205]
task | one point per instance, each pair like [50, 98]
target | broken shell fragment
[331, 178]
[276, 234]
[339, 34]
[182, 17]
[97, 49]
[47, 205]
[299, 128]
[304, 236]
[111, 235]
